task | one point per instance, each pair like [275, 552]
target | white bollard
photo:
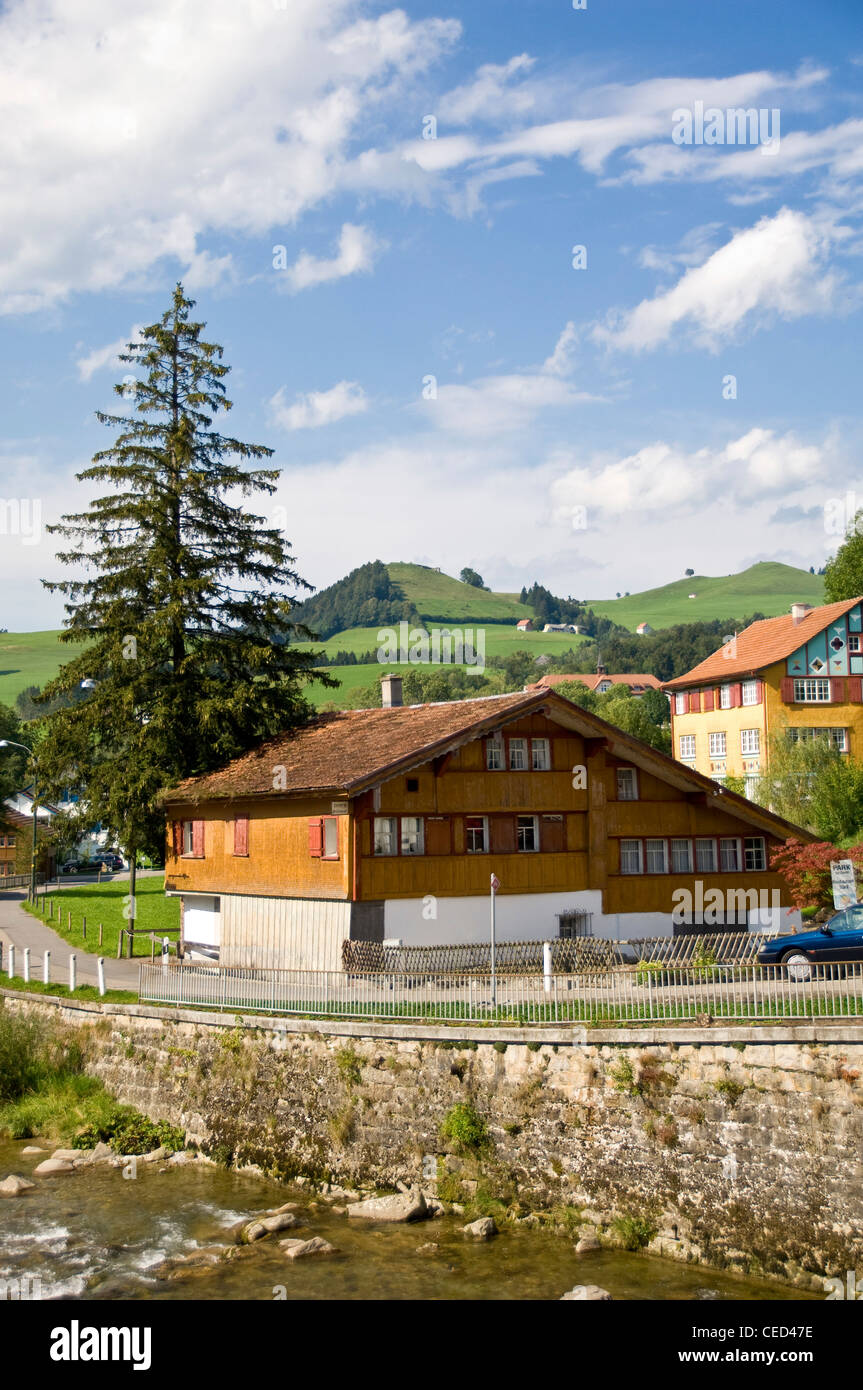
[165, 954]
[100, 969]
[11, 967]
[46, 968]
[27, 964]
[546, 966]
[73, 974]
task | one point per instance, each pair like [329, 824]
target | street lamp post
[10, 743]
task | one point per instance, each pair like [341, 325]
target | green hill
[30, 658]
[438, 597]
[768, 587]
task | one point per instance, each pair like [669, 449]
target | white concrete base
[518, 917]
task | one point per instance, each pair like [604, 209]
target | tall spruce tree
[186, 607]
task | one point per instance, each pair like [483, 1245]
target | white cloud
[317, 408]
[661, 478]
[775, 267]
[118, 151]
[356, 253]
[107, 357]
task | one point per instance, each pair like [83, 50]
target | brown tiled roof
[341, 751]
[592, 681]
[761, 644]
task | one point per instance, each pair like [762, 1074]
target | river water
[94, 1234]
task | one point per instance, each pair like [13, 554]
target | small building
[801, 672]
[388, 824]
[524, 625]
[561, 627]
[644, 630]
[601, 681]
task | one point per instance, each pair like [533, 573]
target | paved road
[19, 929]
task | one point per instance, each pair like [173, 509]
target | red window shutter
[502, 834]
[787, 690]
[694, 702]
[177, 829]
[198, 839]
[708, 699]
[316, 837]
[855, 692]
[837, 690]
[759, 692]
[241, 835]
[736, 695]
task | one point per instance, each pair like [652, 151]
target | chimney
[391, 691]
[601, 670]
[799, 611]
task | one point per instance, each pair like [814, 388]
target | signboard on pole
[844, 883]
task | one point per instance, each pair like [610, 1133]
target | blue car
[840, 939]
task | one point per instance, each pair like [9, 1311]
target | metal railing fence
[642, 993]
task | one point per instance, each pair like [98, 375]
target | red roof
[761, 644]
[635, 681]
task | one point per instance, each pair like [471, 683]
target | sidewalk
[19, 929]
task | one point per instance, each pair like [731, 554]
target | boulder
[32, 1149]
[13, 1186]
[67, 1155]
[54, 1165]
[587, 1293]
[102, 1153]
[586, 1244]
[155, 1155]
[252, 1231]
[483, 1229]
[298, 1249]
[280, 1221]
[430, 1248]
[400, 1206]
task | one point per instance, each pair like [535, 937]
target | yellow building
[801, 672]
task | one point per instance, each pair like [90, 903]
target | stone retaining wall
[735, 1147]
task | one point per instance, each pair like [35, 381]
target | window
[540, 750]
[630, 856]
[729, 855]
[193, 839]
[627, 784]
[854, 641]
[725, 697]
[413, 841]
[386, 828]
[412, 784]
[717, 745]
[518, 754]
[680, 704]
[10, 841]
[476, 834]
[527, 834]
[494, 754]
[750, 742]
[331, 837]
[811, 692]
[838, 737]
[188, 837]
[681, 856]
[705, 856]
[656, 856]
[687, 745]
[754, 853]
[750, 693]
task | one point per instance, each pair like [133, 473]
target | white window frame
[687, 747]
[663, 855]
[676, 842]
[754, 848]
[389, 836]
[724, 842]
[626, 849]
[494, 754]
[718, 744]
[854, 642]
[417, 834]
[749, 693]
[812, 690]
[188, 837]
[725, 697]
[681, 703]
[330, 846]
[540, 754]
[521, 831]
[627, 784]
[518, 746]
[470, 830]
[703, 868]
[750, 743]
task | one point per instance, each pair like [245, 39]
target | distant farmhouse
[388, 824]
[601, 681]
[644, 630]
[524, 625]
[561, 627]
[801, 672]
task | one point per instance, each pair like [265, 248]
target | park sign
[844, 883]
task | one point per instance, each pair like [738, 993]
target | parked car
[840, 939]
[70, 867]
[113, 862]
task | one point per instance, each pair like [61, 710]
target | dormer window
[627, 784]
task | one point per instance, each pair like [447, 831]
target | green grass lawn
[768, 587]
[30, 658]
[57, 991]
[105, 903]
[439, 597]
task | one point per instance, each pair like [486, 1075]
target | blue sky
[578, 433]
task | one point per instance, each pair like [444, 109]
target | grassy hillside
[440, 598]
[768, 588]
[30, 658]
[500, 640]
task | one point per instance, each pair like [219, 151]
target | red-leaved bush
[806, 869]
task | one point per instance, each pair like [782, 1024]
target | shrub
[465, 1129]
[350, 1066]
[634, 1232]
[129, 1132]
[22, 1063]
